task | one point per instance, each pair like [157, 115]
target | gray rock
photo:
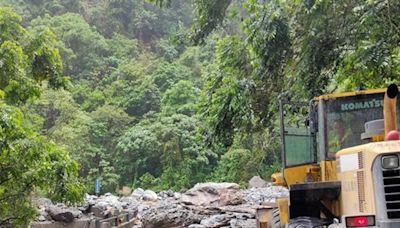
[108, 201]
[110, 212]
[137, 193]
[132, 211]
[126, 199]
[238, 223]
[255, 196]
[90, 199]
[177, 195]
[166, 194]
[150, 196]
[205, 205]
[124, 205]
[42, 202]
[97, 211]
[142, 209]
[170, 193]
[102, 205]
[197, 226]
[60, 215]
[76, 212]
[213, 194]
[85, 208]
[216, 221]
[107, 206]
[257, 182]
[167, 215]
[42, 211]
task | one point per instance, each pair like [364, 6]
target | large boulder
[257, 182]
[167, 215]
[213, 194]
[109, 200]
[106, 205]
[149, 195]
[137, 193]
[60, 214]
[47, 211]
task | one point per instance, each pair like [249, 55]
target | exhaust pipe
[390, 109]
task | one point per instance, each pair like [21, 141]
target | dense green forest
[165, 94]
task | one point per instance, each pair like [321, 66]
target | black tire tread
[276, 221]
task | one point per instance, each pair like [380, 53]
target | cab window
[346, 117]
[298, 140]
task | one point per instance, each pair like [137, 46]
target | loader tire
[275, 220]
[305, 222]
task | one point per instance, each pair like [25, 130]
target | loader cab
[314, 132]
[331, 160]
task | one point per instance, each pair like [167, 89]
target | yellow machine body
[356, 172]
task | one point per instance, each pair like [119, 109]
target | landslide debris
[204, 205]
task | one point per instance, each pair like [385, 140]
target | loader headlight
[390, 161]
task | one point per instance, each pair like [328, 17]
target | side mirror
[307, 121]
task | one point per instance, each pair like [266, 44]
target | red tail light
[392, 135]
[360, 221]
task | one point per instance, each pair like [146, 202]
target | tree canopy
[29, 62]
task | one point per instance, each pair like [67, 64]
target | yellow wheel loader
[340, 155]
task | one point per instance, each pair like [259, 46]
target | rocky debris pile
[205, 205]
[268, 194]
[56, 212]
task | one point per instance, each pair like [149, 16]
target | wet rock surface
[205, 205]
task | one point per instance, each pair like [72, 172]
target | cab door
[299, 142]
